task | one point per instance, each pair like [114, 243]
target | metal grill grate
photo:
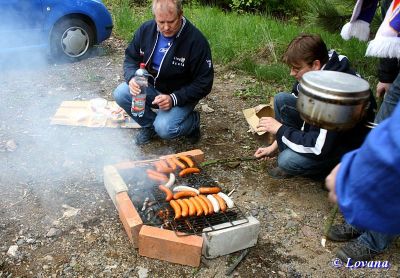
[150, 203]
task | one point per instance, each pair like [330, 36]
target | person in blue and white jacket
[178, 58]
[304, 149]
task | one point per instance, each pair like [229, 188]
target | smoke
[52, 159]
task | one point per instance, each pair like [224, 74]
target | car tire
[71, 40]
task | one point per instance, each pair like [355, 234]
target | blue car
[66, 29]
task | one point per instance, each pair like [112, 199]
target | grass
[253, 44]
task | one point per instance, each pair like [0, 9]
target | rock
[254, 212]
[207, 109]
[142, 272]
[53, 232]
[48, 258]
[291, 224]
[233, 164]
[30, 240]
[70, 211]
[56, 223]
[13, 251]
[292, 213]
[308, 232]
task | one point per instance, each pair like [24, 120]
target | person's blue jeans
[176, 122]
[390, 100]
[374, 240]
[292, 162]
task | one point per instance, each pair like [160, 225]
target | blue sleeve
[368, 181]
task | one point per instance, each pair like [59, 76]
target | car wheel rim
[75, 42]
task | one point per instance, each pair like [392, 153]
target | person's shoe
[145, 135]
[356, 251]
[279, 173]
[344, 232]
[194, 136]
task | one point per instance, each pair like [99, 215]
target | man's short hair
[164, 3]
[306, 48]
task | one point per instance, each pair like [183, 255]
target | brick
[113, 182]
[230, 239]
[129, 217]
[167, 246]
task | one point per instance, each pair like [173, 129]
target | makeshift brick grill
[150, 202]
[150, 223]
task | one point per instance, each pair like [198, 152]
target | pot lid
[334, 83]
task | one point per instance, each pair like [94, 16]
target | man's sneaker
[344, 232]
[279, 173]
[356, 251]
[145, 135]
[194, 136]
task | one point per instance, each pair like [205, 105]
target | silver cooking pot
[332, 100]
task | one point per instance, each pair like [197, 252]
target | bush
[277, 8]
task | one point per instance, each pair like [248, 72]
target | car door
[21, 23]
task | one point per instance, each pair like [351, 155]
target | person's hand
[330, 182]
[382, 88]
[268, 124]
[163, 101]
[134, 88]
[265, 152]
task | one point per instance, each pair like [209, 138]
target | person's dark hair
[306, 48]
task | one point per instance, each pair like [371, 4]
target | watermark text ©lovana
[352, 264]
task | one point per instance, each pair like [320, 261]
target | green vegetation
[252, 43]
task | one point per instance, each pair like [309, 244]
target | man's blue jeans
[292, 162]
[390, 100]
[374, 240]
[176, 122]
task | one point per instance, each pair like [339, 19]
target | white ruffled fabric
[358, 29]
[384, 47]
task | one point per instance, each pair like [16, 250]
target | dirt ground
[57, 220]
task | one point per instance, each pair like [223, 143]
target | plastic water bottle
[139, 101]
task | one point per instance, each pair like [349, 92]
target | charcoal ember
[199, 180]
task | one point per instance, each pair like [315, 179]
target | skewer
[230, 193]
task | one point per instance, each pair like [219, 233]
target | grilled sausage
[221, 202]
[198, 206]
[209, 190]
[182, 194]
[214, 203]
[171, 163]
[226, 198]
[177, 209]
[184, 207]
[188, 171]
[167, 191]
[171, 180]
[203, 204]
[192, 208]
[156, 176]
[208, 202]
[187, 160]
[185, 188]
[162, 167]
[178, 163]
